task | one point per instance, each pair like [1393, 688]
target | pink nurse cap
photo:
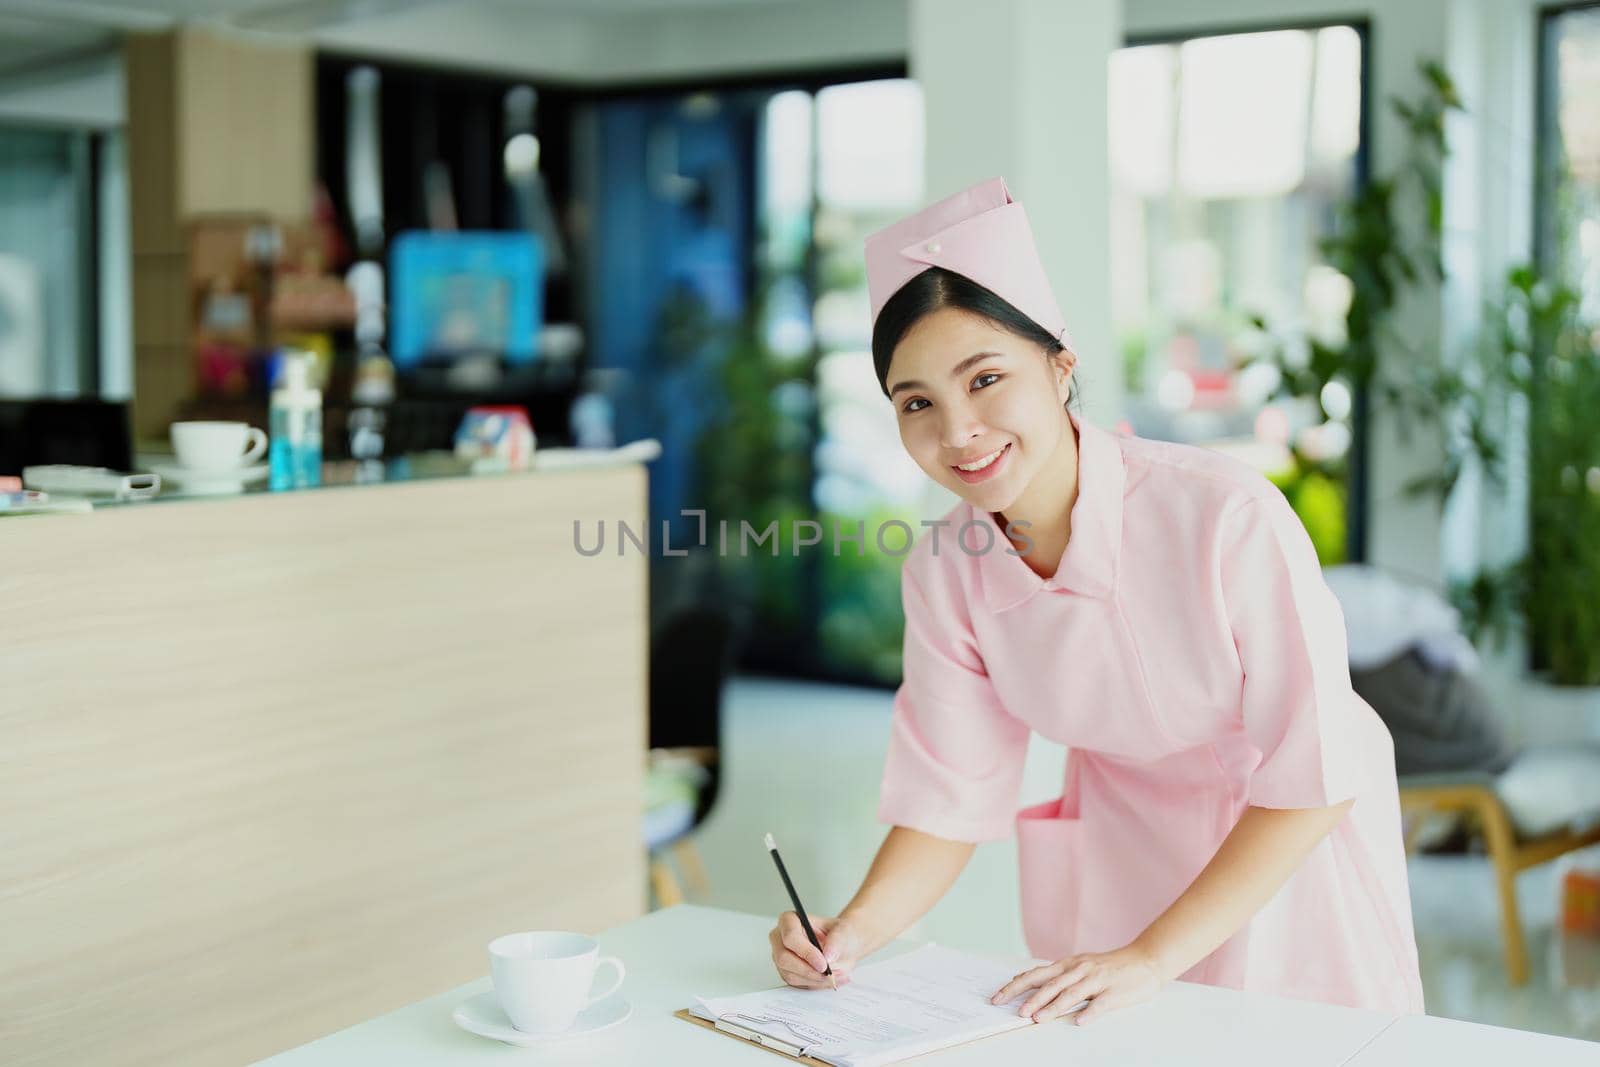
[979, 233]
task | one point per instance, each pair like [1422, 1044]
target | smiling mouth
[983, 462]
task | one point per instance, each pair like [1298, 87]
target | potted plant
[1380, 256]
[1550, 361]
[1562, 601]
[1540, 359]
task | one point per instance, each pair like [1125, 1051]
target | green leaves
[1561, 605]
[1443, 87]
[1538, 350]
[1533, 350]
[1383, 255]
[1425, 119]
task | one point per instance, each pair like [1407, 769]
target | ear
[1062, 364]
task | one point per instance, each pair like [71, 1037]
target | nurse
[1228, 812]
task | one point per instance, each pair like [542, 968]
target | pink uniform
[1189, 654]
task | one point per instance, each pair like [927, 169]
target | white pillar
[1403, 531]
[1488, 228]
[1487, 48]
[1017, 88]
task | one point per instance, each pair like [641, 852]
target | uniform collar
[1089, 564]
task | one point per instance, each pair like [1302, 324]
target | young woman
[1229, 812]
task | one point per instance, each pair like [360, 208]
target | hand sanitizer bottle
[295, 455]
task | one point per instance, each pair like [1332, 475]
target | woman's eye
[914, 400]
[981, 377]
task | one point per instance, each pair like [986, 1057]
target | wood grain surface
[274, 764]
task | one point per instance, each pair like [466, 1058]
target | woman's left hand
[1108, 980]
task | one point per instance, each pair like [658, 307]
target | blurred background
[1355, 244]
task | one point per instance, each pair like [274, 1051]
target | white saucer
[188, 480]
[482, 1015]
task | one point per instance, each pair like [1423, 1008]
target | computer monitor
[93, 433]
[469, 293]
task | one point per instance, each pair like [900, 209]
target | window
[1230, 157]
[1569, 224]
[838, 163]
[869, 174]
[735, 314]
[49, 343]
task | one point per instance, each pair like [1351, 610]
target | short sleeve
[954, 768]
[1319, 741]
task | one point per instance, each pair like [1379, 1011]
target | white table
[1419, 1039]
[675, 954]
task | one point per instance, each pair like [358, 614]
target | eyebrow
[955, 372]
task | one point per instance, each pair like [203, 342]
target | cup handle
[258, 446]
[612, 988]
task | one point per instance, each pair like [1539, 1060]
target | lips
[986, 472]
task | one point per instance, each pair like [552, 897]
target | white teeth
[982, 463]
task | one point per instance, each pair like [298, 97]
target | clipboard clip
[725, 1023]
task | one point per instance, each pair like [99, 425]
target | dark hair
[937, 288]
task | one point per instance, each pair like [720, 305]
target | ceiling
[26, 42]
[37, 32]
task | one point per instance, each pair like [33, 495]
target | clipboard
[758, 1040]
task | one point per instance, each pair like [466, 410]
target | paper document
[926, 999]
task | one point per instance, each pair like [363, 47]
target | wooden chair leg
[664, 883]
[1502, 845]
[687, 853]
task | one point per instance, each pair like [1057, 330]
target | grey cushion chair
[1530, 806]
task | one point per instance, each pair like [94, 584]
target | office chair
[691, 655]
[1455, 766]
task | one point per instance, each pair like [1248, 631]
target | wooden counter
[274, 764]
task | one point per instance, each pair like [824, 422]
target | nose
[961, 425]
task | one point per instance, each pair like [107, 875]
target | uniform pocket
[1048, 866]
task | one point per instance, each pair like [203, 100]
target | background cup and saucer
[543, 991]
[214, 457]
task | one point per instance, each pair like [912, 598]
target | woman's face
[967, 392]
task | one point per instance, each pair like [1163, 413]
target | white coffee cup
[542, 978]
[217, 446]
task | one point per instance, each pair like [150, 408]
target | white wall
[1017, 88]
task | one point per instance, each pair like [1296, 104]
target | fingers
[795, 940]
[1030, 979]
[791, 968]
[1096, 1008]
[1087, 986]
[1068, 1000]
[796, 972]
[1064, 990]
[836, 940]
[797, 960]
[800, 976]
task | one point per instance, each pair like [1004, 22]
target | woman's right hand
[797, 959]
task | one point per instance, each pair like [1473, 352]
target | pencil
[799, 909]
